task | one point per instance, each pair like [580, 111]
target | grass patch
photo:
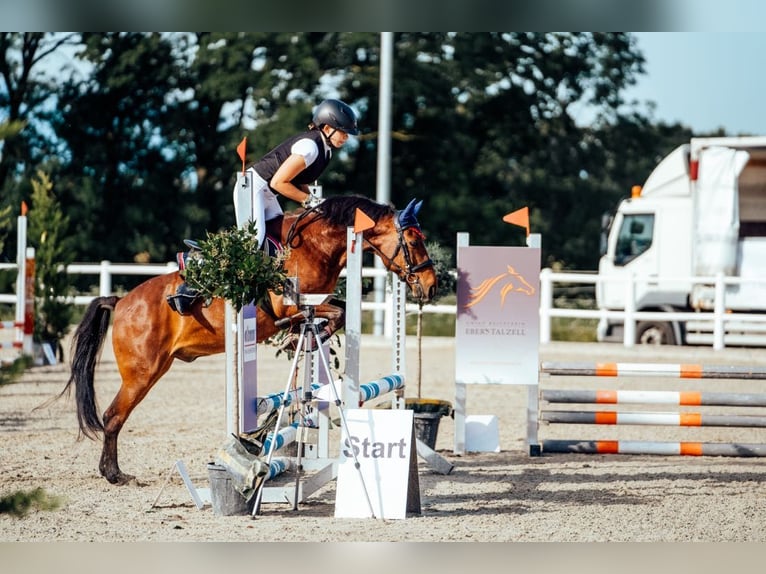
[20, 502]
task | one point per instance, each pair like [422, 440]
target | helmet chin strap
[328, 138]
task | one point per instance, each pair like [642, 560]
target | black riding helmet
[337, 115]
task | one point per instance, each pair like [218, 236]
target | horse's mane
[341, 209]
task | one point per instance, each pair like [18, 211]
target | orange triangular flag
[241, 149]
[519, 217]
[362, 222]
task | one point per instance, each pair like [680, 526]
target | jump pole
[678, 370]
[681, 398]
[652, 447]
[634, 397]
[684, 419]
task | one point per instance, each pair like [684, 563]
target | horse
[148, 335]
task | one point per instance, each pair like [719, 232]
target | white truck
[700, 215]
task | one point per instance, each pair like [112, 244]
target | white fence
[548, 309]
[630, 316]
[106, 270]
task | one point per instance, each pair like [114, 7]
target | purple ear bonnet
[407, 217]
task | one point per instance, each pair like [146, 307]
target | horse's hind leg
[136, 383]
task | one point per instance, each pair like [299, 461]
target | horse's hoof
[120, 479]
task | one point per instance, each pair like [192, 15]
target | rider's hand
[311, 201]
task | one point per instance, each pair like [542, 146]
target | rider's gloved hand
[311, 201]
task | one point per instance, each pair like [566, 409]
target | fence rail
[630, 317]
[548, 302]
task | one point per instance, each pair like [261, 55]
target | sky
[705, 80]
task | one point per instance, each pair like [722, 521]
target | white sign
[381, 440]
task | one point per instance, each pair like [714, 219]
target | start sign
[383, 443]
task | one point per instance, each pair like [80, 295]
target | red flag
[241, 152]
[519, 217]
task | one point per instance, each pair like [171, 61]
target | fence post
[629, 326]
[104, 280]
[546, 302]
[29, 302]
[21, 275]
[718, 309]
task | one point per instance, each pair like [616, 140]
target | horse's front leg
[334, 312]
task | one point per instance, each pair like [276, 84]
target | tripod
[308, 341]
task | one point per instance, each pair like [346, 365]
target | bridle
[409, 272]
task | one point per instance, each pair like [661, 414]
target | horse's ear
[407, 216]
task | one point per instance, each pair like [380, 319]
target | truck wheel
[648, 333]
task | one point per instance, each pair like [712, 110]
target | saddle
[183, 300]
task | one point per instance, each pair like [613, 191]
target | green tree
[27, 89]
[483, 123]
[48, 234]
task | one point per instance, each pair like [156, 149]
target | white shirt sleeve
[307, 148]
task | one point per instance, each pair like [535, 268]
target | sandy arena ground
[488, 497]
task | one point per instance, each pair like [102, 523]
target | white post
[546, 303]
[232, 370]
[719, 309]
[629, 324]
[21, 270]
[104, 279]
[399, 333]
[534, 240]
[383, 175]
[463, 240]
[353, 326]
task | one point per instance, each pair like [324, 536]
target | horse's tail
[86, 349]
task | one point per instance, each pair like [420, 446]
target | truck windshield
[634, 237]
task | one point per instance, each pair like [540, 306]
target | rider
[293, 164]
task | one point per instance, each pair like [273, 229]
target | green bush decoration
[232, 266]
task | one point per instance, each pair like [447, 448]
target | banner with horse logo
[497, 328]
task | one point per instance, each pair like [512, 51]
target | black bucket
[427, 414]
[224, 498]
[427, 427]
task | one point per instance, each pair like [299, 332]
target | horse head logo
[515, 284]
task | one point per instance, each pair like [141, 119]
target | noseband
[408, 273]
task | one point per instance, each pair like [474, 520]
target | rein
[291, 233]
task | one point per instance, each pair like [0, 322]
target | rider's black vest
[268, 165]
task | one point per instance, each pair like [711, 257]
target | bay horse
[147, 335]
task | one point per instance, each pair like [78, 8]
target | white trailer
[700, 214]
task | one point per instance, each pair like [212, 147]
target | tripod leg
[307, 370]
[273, 443]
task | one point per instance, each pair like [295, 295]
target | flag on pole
[241, 148]
[519, 217]
[362, 221]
